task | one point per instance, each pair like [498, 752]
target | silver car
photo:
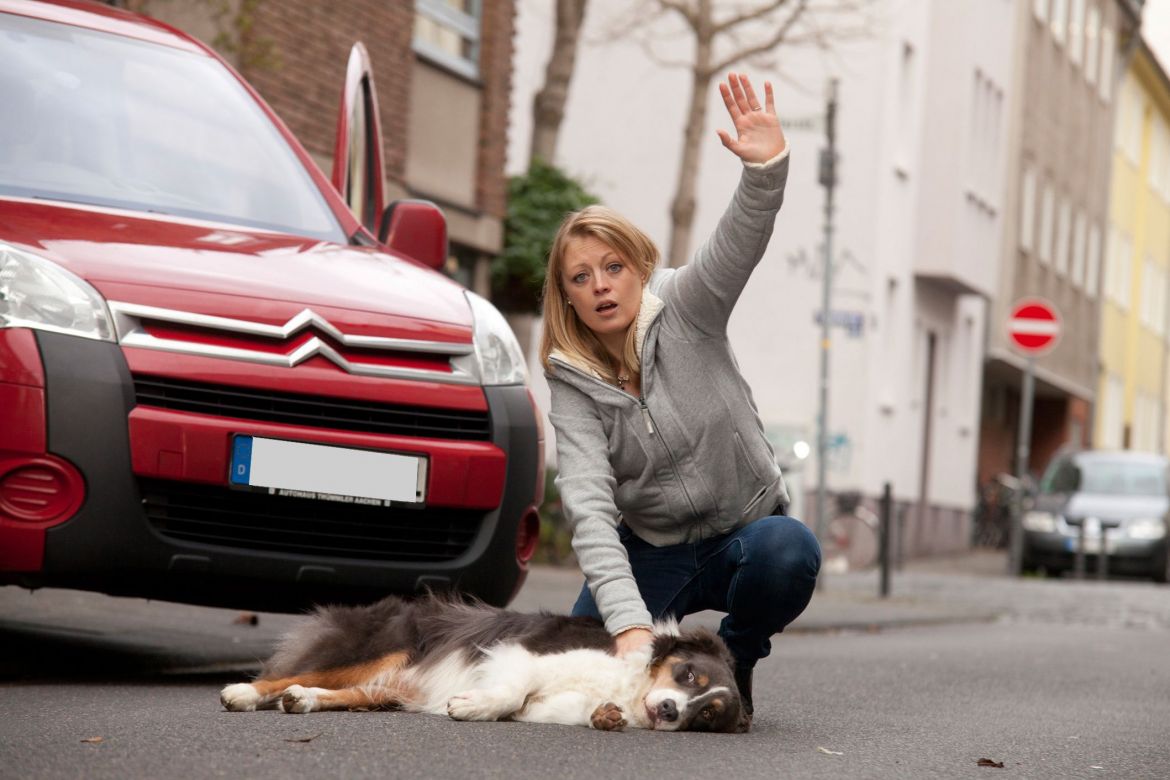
[1122, 501]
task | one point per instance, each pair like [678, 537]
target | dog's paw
[608, 717]
[473, 705]
[240, 697]
[298, 700]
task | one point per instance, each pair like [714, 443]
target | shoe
[743, 681]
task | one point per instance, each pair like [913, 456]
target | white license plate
[1092, 545]
[302, 470]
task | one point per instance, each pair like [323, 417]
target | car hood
[1111, 507]
[110, 248]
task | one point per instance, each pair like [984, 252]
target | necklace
[621, 380]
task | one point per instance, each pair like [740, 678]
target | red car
[217, 384]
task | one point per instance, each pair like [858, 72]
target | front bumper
[139, 464]
[1125, 556]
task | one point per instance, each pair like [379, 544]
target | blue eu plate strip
[241, 460]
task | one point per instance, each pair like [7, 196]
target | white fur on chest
[566, 687]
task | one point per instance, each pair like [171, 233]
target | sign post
[1034, 330]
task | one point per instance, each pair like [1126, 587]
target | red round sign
[1034, 326]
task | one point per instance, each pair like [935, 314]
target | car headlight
[1042, 522]
[38, 293]
[500, 359]
[1145, 528]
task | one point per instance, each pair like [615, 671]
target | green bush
[537, 203]
[555, 546]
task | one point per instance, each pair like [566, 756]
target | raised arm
[705, 290]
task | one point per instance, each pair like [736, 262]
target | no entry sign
[1034, 326]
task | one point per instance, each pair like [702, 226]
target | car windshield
[1106, 476]
[96, 118]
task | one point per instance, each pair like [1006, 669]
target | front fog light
[37, 293]
[1041, 522]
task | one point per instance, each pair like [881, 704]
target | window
[1062, 229]
[1046, 216]
[447, 31]
[1078, 257]
[1076, 31]
[1160, 158]
[1113, 413]
[1092, 30]
[1153, 292]
[1105, 83]
[1059, 21]
[1092, 272]
[1028, 210]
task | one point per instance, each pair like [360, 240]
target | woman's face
[604, 289]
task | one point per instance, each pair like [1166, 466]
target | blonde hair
[563, 329]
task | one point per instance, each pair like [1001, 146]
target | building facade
[442, 69]
[1069, 57]
[1136, 282]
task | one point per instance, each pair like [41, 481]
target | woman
[673, 493]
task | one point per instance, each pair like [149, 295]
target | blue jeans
[761, 575]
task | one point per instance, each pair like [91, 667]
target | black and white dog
[440, 655]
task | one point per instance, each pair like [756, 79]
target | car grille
[259, 521]
[317, 411]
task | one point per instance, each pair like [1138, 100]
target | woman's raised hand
[759, 137]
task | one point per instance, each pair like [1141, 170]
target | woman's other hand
[759, 136]
[632, 640]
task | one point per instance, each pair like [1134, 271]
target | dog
[443, 655]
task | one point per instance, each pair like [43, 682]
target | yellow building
[1134, 385]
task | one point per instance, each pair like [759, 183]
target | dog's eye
[707, 713]
[691, 677]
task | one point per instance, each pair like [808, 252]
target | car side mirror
[416, 228]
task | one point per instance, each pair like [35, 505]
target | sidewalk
[842, 602]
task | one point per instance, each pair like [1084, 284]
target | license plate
[1092, 545]
[302, 470]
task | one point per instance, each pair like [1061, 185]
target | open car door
[357, 152]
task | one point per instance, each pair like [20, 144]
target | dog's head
[693, 685]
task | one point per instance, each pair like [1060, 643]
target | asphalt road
[119, 688]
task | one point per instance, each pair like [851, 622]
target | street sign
[1034, 326]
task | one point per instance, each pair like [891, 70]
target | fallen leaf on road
[305, 739]
[247, 619]
[828, 752]
[93, 740]
[989, 762]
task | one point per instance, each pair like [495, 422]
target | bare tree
[745, 32]
[548, 107]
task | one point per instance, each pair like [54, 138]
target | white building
[921, 118]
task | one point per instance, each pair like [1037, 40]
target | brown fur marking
[337, 679]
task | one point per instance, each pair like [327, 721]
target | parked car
[1123, 497]
[224, 377]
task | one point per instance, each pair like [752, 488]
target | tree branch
[748, 16]
[777, 38]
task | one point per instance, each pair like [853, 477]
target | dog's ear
[702, 640]
[663, 645]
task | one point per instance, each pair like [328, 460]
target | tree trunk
[548, 107]
[682, 208]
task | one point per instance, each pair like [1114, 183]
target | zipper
[641, 400]
[646, 416]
